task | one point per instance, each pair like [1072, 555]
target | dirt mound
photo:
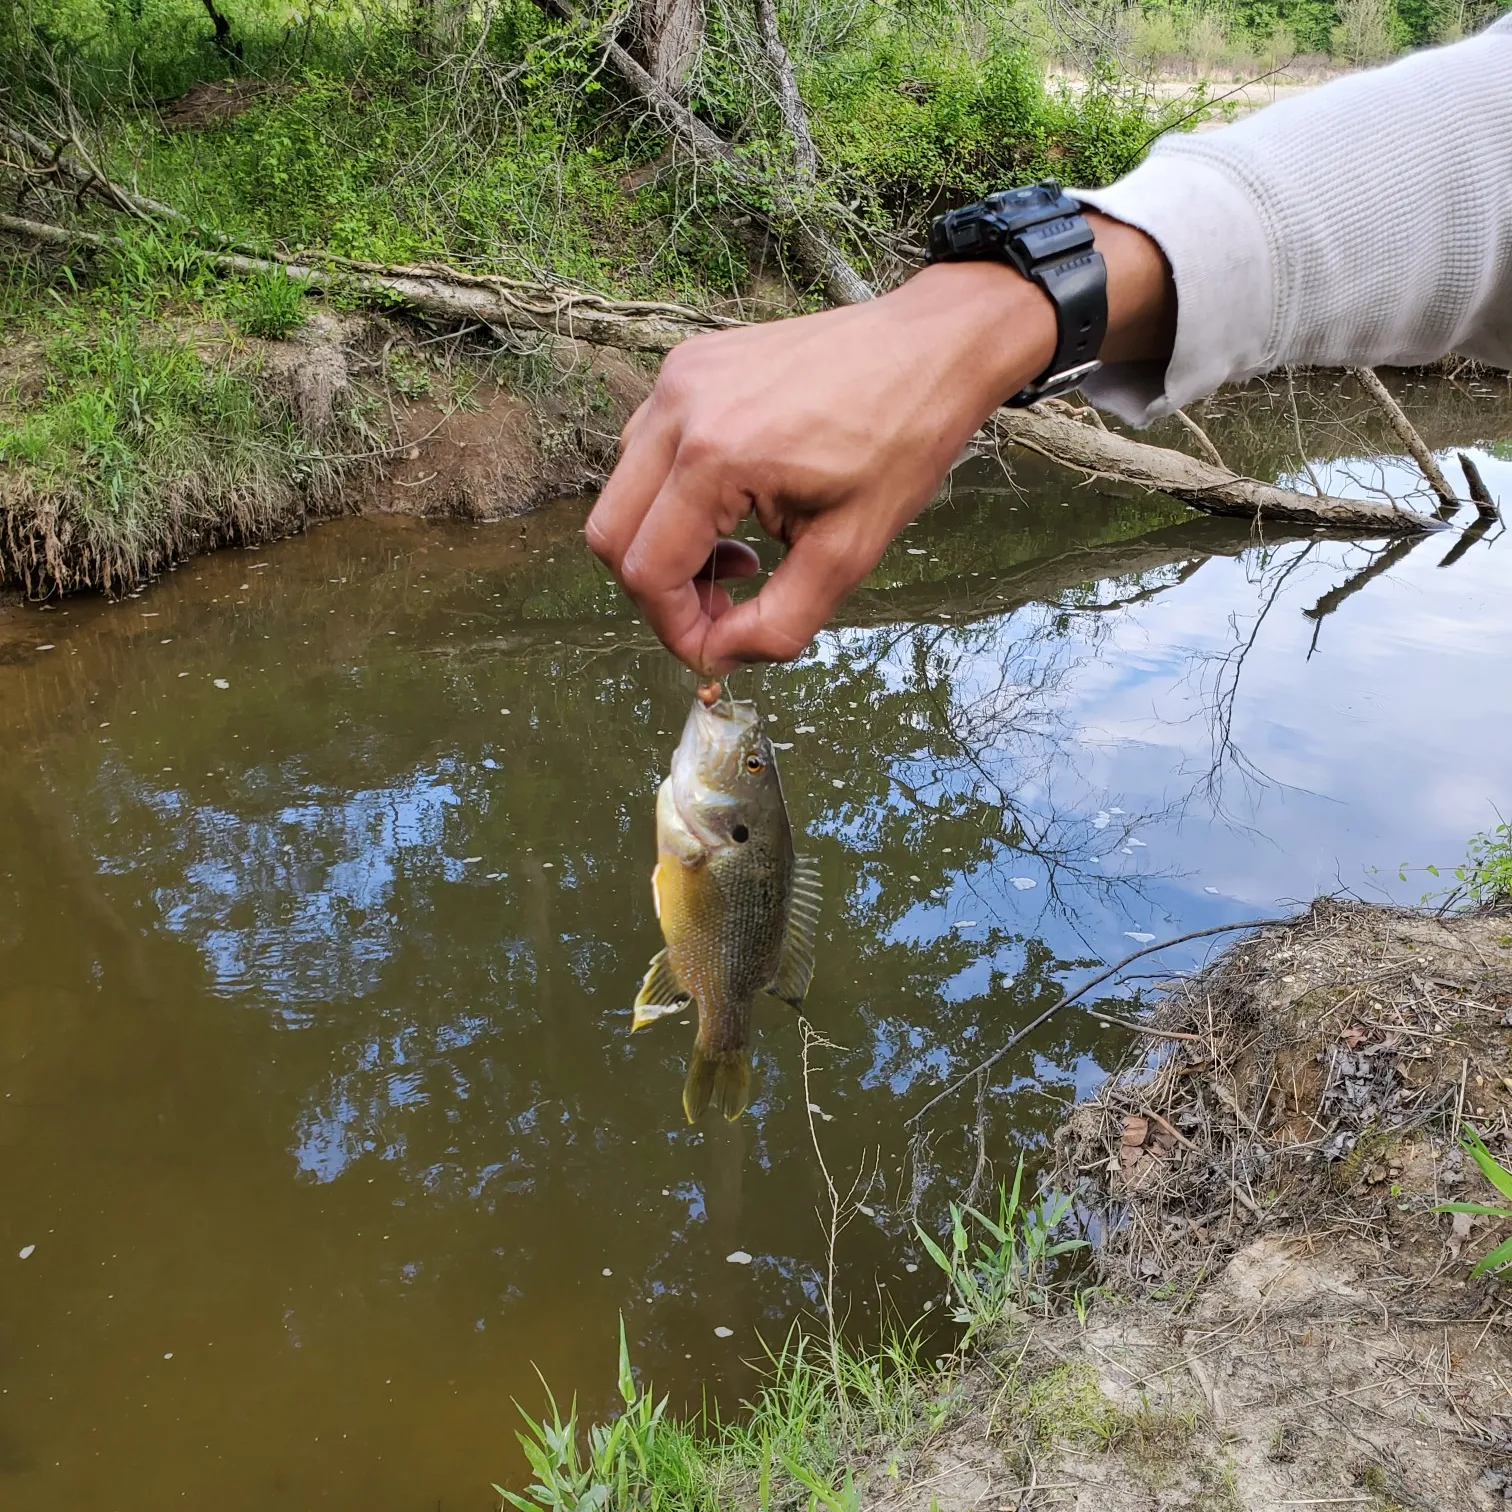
[1280, 1319]
[501, 450]
[213, 101]
[1315, 1080]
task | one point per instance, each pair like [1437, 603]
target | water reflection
[325, 899]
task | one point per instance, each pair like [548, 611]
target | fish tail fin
[722, 1077]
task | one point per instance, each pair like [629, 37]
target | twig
[1203, 440]
[1123, 1023]
[1070, 997]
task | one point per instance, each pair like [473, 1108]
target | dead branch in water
[1105, 453]
[1480, 495]
[1407, 434]
[1066, 999]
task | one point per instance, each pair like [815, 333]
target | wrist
[997, 329]
[1000, 328]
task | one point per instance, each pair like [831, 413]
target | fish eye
[755, 763]
[740, 834]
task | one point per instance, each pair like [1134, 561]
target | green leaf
[935, 1252]
[1484, 1208]
[1500, 1256]
[626, 1377]
[1500, 1178]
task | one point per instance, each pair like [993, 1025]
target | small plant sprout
[618, 1457]
[1007, 1272]
[1499, 1177]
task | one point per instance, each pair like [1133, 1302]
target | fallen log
[506, 305]
[74, 169]
[1106, 454]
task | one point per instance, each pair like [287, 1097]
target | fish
[738, 908]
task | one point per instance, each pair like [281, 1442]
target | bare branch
[1407, 434]
[789, 101]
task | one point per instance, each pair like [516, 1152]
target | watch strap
[1041, 232]
[1077, 286]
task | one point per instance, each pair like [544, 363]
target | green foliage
[1009, 1269]
[793, 1444]
[1486, 874]
[269, 305]
[1500, 1178]
[909, 123]
[618, 1459]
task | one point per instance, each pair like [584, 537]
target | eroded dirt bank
[347, 414]
[1280, 1319]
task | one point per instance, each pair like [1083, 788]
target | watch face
[1026, 198]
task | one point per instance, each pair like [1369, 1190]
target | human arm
[1368, 221]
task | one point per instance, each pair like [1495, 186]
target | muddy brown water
[324, 895]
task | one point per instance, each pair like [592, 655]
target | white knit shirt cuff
[1207, 225]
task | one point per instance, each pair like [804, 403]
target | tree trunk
[225, 39]
[670, 34]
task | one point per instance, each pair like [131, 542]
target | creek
[324, 894]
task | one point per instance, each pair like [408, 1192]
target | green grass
[135, 430]
[1011, 1265]
[1500, 1179]
[826, 1412]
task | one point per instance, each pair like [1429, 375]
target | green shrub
[269, 305]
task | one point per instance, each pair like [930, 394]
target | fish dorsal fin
[795, 969]
[660, 993]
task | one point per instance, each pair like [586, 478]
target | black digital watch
[1040, 230]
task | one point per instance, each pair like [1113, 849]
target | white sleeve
[1367, 221]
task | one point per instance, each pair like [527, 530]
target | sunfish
[738, 909]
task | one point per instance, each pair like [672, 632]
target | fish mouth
[707, 765]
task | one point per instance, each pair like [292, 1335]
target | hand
[835, 429]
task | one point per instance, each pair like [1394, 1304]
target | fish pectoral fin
[795, 966]
[660, 993]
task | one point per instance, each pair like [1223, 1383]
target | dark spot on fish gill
[740, 834]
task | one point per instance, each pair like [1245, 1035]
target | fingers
[793, 605]
[649, 451]
[675, 541]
